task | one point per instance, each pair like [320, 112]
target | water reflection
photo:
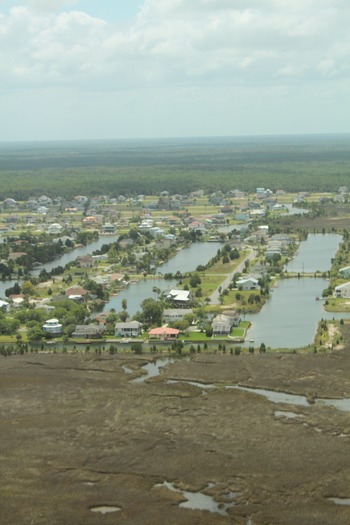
[152, 369]
[274, 396]
[315, 254]
[200, 501]
[105, 509]
[290, 317]
[340, 501]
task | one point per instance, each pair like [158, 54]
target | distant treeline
[148, 167]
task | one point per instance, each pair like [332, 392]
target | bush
[136, 348]
[208, 331]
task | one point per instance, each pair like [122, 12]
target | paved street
[214, 297]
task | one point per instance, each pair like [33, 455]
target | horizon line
[175, 137]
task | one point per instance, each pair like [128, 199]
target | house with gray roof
[131, 329]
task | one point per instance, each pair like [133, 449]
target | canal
[290, 317]
[185, 260]
[64, 259]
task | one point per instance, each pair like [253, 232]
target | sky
[118, 69]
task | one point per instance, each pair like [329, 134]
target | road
[214, 297]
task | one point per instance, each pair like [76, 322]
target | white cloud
[177, 39]
[48, 5]
[199, 49]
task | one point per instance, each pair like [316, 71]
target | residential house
[227, 209]
[116, 277]
[88, 331]
[171, 315]
[76, 293]
[344, 272]
[242, 216]
[343, 290]
[108, 228]
[85, 261]
[234, 316]
[131, 329]
[250, 283]
[257, 214]
[91, 221]
[168, 334]
[197, 226]
[45, 201]
[221, 325]
[155, 231]
[53, 327]
[16, 298]
[55, 228]
[179, 298]
[165, 242]
[10, 203]
[102, 317]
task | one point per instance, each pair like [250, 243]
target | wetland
[83, 443]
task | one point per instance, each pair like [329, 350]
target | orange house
[162, 332]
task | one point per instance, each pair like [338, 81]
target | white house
[108, 228]
[55, 228]
[131, 329]
[171, 315]
[222, 325]
[180, 298]
[250, 283]
[52, 326]
[343, 290]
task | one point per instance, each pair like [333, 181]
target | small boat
[251, 340]
[317, 298]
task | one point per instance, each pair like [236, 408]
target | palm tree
[156, 291]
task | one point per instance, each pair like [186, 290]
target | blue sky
[96, 69]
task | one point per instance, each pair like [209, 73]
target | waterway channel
[185, 260]
[64, 259]
[289, 318]
[153, 369]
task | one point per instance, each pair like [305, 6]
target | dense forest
[294, 163]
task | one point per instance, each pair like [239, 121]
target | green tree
[262, 348]
[195, 280]
[152, 311]
[28, 288]
[35, 334]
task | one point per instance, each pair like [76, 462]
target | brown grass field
[76, 434]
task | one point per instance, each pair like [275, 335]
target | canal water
[315, 254]
[64, 259]
[77, 252]
[290, 317]
[185, 260]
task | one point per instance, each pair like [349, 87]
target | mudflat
[82, 444]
